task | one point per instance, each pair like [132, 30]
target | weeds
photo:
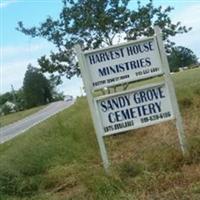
[59, 159]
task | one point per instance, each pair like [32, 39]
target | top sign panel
[123, 63]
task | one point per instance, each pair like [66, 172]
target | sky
[18, 50]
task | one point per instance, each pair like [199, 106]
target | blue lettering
[111, 118]
[148, 95]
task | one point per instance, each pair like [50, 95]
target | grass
[13, 117]
[59, 159]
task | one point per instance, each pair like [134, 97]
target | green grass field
[13, 117]
[59, 159]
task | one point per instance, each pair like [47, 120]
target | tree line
[37, 90]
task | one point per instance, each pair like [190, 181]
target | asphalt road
[12, 130]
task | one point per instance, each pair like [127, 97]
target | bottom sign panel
[134, 108]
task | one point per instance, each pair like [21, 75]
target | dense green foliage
[36, 87]
[98, 23]
[59, 159]
[6, 97]
[37, 90]
[5, 109]
[181, 57]
[16, 97]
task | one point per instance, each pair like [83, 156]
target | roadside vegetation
[36, 91]
[59, 159]
[14, 117]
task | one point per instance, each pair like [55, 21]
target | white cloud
[6, 3]
[13, 73]
[9, 52]
[14, 61]
[72, 87]
[14, 65]
[190, 18]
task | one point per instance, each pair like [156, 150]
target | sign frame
[131, 79]
[144, 87]
[93, 106]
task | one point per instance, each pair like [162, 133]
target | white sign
[131, 109]
[135, 108]
[123, 63]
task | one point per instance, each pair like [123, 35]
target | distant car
[68, 98]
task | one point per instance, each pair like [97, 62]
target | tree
[98, 23]
[6, 97]
[5, 109]
[36, 87]
[17, 98]
[56, 96]
[181, 57]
